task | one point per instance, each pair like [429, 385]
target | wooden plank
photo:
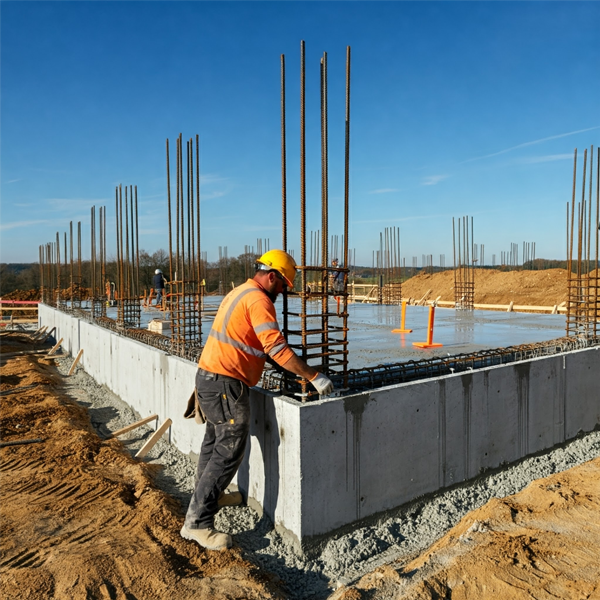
[55, 347]
[75, 363]
[133, 426]
[45, 336]
[39, 333]
[18, 390]
[20, 442]
[153, 439]
[423, 298]
[6, 356]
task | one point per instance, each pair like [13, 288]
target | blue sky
[457, 108]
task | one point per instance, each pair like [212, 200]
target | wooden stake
[153, 439]
[39, 333]
[133, 426]
[45, 336]
[75, 362]
[21, 442]
[56, 347]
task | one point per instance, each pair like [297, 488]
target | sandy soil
[80, 518]
[543, 542]
[533, 288]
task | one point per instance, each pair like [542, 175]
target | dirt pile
[543, 542]
[532, 288]
[22, 295]
[80, 518]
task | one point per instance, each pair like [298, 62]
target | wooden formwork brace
[55, 347]
[422, 300]
[133, 426]
[41, 340]
[153, 439]
[40, 332]
[21, 442]
[72, 369]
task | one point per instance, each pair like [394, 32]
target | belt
[213, 376]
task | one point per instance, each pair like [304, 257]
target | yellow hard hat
[282, 262]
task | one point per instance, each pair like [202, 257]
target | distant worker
[159, 285]
[244, 333]
[336, 278]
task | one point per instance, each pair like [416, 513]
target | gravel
[400, 535]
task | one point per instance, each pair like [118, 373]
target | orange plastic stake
[402, 321]
[429, 343]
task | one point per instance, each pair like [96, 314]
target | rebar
[464, 274]
[369, 378]
[583, 312]
[283, 195]
[321, 336]
[184, 298]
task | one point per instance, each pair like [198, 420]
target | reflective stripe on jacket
[244, 332]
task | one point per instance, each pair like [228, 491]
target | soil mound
[492, 286]
[82, 519]
[543, 542]
[22, 295]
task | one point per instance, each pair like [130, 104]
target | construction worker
[244, 333]
[159, 285]
[336, 278]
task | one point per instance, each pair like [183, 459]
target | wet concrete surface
[371, 341]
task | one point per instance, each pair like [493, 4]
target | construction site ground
[81, 518]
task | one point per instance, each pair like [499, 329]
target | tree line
[219, 276]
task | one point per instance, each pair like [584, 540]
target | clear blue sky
[457, 108]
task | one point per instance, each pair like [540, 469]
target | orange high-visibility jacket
[244, 332]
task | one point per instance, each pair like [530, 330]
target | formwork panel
[583, 379]
[270, 475]
[400, 454]
[545, 414]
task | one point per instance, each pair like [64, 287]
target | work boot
[230, 499]
[209, 538]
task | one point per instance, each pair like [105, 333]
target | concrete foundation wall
[320, 466]
[154, 382]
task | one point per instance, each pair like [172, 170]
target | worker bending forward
[244, 333]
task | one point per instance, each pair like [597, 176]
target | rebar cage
[583, 302]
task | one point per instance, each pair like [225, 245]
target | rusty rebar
[169, 215]
[283, 194]
[303, 199]
[283, 161]
[199, 275]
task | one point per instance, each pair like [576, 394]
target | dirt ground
[543, 542]
[492, 286]
[82, 519]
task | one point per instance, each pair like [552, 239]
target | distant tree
[8, 279]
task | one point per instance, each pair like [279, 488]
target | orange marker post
[429, 343]
[402, 321]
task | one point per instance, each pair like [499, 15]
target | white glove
[322, 384]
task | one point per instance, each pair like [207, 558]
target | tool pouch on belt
[193, 409]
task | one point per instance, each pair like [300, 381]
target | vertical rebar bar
[303, 203]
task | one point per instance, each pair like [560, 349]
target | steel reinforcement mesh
[369, 378]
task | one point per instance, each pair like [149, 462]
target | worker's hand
[322, 384]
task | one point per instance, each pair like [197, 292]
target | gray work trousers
[225, 402]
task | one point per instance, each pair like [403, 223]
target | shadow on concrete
[265, 432]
